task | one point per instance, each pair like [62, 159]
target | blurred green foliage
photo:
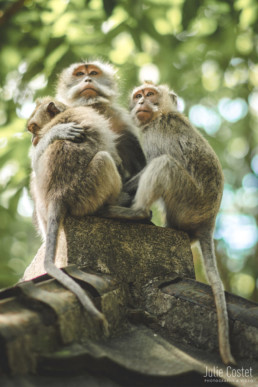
[205, 50]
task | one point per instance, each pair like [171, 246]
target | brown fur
[74, 178]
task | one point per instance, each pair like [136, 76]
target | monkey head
[149, 101]
[46, 109]
[87, 83]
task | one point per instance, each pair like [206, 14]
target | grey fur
[184, 171]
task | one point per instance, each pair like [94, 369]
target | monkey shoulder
[176, 122]
[191, 147]
[185, 132]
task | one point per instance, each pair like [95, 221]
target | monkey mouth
[143, 111]
[89, 89]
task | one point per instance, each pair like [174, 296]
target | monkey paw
[68, 131]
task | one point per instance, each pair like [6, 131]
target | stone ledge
[129, 251]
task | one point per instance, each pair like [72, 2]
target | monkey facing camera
[184, 172]
[94, 83]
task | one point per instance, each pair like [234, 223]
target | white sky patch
[234, 199]
[23, 67]
[250, 181]
[38, 82]
[149, 72]
[8, 170]
[10, 89]
[26, 109]
[107, 26]
[228, 199]
[237, 230]
[206, 118]
[180, 104]
[254, 164]
[233, 110]
[25, 205]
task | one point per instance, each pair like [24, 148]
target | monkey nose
[87, 80]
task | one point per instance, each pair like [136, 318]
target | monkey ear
[173, 97]
[52, 109]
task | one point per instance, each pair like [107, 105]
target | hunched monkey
[184, 171]
[70, 177]
[93, 83]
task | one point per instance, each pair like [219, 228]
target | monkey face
[149, 101]
[145, 101]
[46, 109]
[85, 76]
[38, 119]
[87, 83]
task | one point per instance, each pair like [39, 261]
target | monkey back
[172, 134]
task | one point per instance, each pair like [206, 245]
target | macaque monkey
[93, 83]
[183, 171]
[70, 177]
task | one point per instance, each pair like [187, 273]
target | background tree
[205, 50]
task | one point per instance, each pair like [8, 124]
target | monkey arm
[58, 132]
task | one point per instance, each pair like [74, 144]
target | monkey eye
[150, 93]
[79, 74]
[138, 96]
[93, 72]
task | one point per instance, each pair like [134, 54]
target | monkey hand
[68, 131]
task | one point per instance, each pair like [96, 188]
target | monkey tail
[209, 258]
[56, 212]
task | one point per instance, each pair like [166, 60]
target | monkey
[94, 83]
[184, 172]
[71, 178]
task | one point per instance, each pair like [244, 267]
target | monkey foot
[227, 358]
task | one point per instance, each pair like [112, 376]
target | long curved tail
[56, 212]
[207, 246]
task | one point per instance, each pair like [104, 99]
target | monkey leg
[100, 184]
[153, 183]
[209, 259]
[157, 180]
[163, 178]
[110, 182]
[56, 213]
[185, 203]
